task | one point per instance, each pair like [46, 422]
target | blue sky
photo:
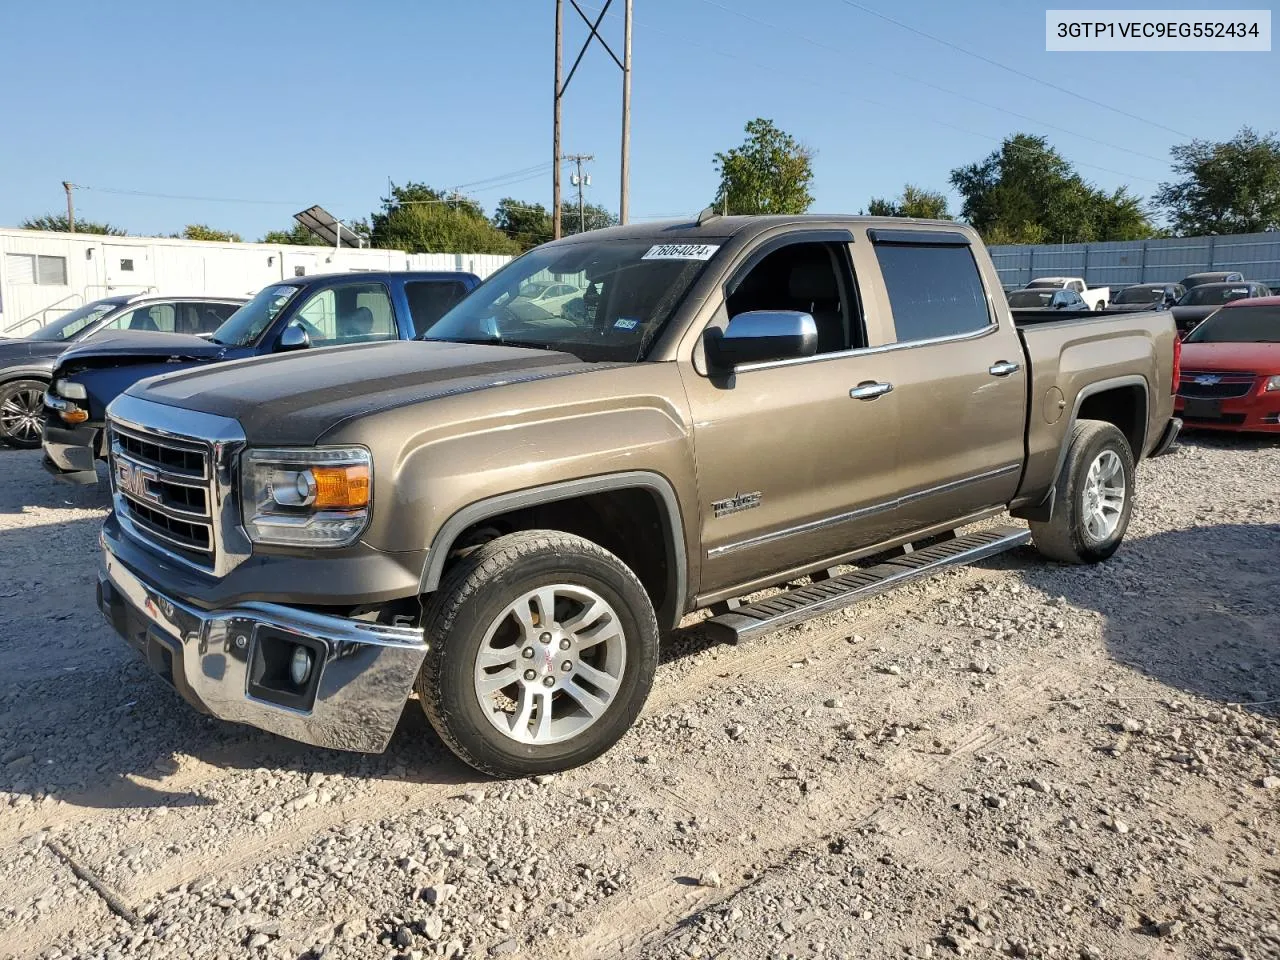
[322, 101]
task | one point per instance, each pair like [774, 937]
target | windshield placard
[681, 251]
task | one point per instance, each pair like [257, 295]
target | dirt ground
[1015, 759]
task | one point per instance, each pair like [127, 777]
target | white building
[43, 274]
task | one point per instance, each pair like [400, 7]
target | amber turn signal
[341, 488]
[76, 415]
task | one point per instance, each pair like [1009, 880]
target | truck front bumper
[234, 663]
[69, 451]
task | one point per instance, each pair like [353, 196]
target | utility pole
[623, 65]
[579, 181]
[71, 206]
[626, 116]
[555, 149]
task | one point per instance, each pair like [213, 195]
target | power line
[934, 86]
[1014, 70]
[179, 196]
[828, 87]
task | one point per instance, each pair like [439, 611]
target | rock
[543, 779]
[474, 797]
[1271, 783]
[893, 670]
[833, 703]
[735, 731]
[265, 818]
[505, 948]
[710, 878]
[258, 940]
[439, 893]
[432, 927]
[1129, 725]
[1039, 786]
[1116, 826]
[1169, 928]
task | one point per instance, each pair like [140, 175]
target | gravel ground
[1016, 759]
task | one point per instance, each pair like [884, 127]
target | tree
[595, 217]
[769, 173]
[528, 224]
[58, 223]
[1231, 186]
[298, 236]
[1026, 192]
[419, 219]
[914, 202]
[201, 231]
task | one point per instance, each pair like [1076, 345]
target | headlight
[1273, 383]
[71, 390]
[299, 497]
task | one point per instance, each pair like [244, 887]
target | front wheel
[22, 413]
[1093, 496]
[542, 647]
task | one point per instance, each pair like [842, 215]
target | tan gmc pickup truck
[506, 516]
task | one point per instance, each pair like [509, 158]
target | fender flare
[653, 483]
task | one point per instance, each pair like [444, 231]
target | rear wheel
[22, 413]
[1100, 305]
[1093, 497]
[542, 650]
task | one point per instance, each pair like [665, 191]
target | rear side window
[429, 300]
[935, 291]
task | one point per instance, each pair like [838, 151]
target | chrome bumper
[219, 662]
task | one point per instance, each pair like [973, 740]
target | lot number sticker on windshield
[681, 251]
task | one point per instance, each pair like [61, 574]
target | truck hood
[1263, 358]
[141, 346]
[17, 351]
[295, 398]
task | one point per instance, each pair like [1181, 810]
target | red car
[1231, 369]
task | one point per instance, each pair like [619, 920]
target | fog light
[300, 666]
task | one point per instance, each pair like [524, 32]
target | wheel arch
[582, 506]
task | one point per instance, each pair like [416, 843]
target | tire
[475, 613]
[17, 428]
[1100, 305]
[1075, 534]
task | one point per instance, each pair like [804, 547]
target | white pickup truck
[1097, 298]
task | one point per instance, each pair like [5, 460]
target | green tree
[594, 217]
[202, 231]
[769, 173]
[915, 202]
[528, 224]
[1026, 192]
[58, 223]
[1232, 186]
[298, 236]
[419, 219]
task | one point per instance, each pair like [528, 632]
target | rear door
[958, 373]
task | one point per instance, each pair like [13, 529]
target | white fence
[43, 275]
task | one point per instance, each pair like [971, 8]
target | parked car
[1231, 369]
[1147, 296]
[1045, 299]
[1097, 298]
[1220, 276]
[505, 516]
[26, 363]
[316, 311]
[1205, 298]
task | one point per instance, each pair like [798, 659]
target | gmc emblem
[136, 481]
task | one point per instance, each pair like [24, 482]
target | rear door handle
[1003, 368]
[870, 389]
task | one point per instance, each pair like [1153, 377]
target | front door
[791, 468]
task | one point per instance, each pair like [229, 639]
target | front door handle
[870, 389]
[1003, 368]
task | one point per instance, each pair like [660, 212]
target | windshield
[244, 327]
[70, 325]
[1139, 295]
[1213, 295]
[1196, 280]
[626, 290]
[1239, 325]
[1030, 298]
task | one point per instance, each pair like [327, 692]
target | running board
[803, 603]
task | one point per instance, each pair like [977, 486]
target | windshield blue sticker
[681, 251]
[625, 323]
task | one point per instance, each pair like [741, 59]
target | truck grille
[1217, 386]
[163, 488]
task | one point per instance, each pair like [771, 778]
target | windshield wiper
[497, 341]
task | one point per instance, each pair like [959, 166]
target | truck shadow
[1192, 609]
[24, 484]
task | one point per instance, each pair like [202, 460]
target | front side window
[934, 290]
[809, 278]
[627, 290]
[152, 318]
[350, 313]
[429, 300]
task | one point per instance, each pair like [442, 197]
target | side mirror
[294, 337]
[761, 335]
